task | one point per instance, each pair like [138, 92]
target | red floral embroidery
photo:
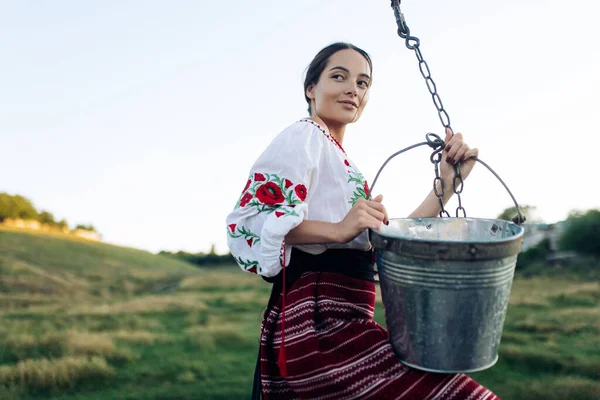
[270, 194]
[300, 192]
[245, 199]
[346, 163]
[249, 241]
[232, 227]
[366, 188]
[252, 270]
[279, 214]
[267, 192]
[247, 185]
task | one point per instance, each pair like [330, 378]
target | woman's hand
[363, 215]
[456, 150]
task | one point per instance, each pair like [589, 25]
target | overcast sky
[144, 117]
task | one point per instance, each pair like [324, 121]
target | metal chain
[413, 43]
[437, 144]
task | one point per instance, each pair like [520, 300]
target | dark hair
[318, 64]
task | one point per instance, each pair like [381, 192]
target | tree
[62, 224]
[16, 207]
[201, 259]
[26, 210]
[86, 227]
[528, 211]
[534, 255]
[5, 206]
[46, 217]
[582, 233]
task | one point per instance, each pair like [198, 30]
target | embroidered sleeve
[274, 200]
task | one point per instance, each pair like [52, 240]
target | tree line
[582, 235]
[19, 207]
[201, 259]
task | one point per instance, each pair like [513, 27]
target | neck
[335, 129]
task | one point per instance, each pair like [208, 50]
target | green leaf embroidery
[246, 234]
[288, 196]
[359, 180]
[290, 212]
[246, 264]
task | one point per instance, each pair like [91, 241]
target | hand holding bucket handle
[364, 214]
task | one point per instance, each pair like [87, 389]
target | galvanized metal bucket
[445, 285]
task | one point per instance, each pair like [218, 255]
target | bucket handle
[435, 142]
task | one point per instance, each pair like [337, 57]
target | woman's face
[342, 92]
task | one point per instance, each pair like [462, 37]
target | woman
[303, 218]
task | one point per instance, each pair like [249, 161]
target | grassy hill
[85, 320]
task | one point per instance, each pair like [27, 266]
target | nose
[352, 90]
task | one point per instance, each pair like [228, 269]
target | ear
[310, 91]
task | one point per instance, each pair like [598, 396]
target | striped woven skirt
[335, 350]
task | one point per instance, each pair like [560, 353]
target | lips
[350, 102]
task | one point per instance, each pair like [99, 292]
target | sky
[143, 118]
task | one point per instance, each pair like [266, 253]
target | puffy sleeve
[275, 200]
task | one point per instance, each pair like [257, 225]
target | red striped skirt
[335, 350]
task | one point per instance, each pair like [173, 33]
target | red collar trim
[331, 138]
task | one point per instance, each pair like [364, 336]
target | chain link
[413, 43]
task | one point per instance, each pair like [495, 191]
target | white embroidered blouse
[303, 174]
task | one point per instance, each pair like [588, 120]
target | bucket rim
[445, 241]
[442, 249]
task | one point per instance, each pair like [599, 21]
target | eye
[337, 77]
[363, 83]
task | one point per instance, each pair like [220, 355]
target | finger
[386, 219]
[367, 221]
[376, 205]
[377, 214]
[467, 157]
[457, 138]
[471, 153]
[358, 203]
[448, 135]
[375, 223]
[456, 153]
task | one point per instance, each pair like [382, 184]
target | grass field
[84, 320]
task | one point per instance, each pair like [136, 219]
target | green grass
[85, 320]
